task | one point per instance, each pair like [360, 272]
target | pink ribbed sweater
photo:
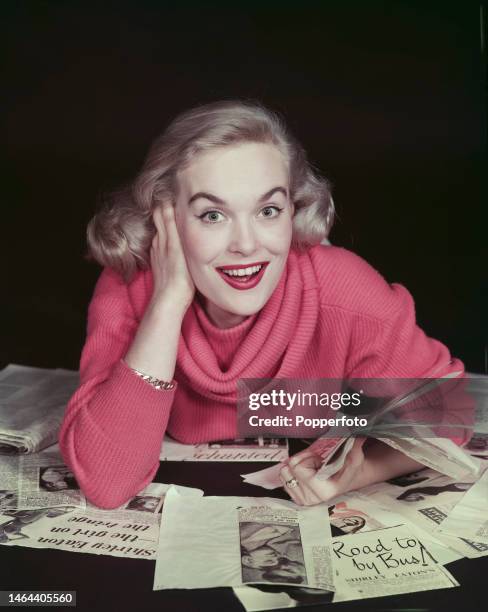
[331, 316]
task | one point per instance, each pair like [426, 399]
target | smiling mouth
[243, 277]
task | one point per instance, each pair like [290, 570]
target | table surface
[112, 583]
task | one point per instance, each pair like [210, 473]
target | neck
[219, 317]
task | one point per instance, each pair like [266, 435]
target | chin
[247, 305]
[242, 311]
[243, 305]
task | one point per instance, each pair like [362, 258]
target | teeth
[243, 271]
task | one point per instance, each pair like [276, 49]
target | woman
[276, 550]
[57, 478]
[214, 272]
[344, 520]
[7, 499]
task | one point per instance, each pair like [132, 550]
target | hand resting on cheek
[170, 273]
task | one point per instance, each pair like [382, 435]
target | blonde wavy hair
[120, 234]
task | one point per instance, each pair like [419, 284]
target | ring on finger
[292, 483]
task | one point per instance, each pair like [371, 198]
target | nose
[243, 239]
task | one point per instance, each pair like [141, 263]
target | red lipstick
[243, 282]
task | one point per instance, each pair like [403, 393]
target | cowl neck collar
[269, 344]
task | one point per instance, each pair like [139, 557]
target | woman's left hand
[300, 480]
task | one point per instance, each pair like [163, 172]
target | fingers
[169, 218]
[309, 489]
[294, 492]
[306, 474]
[306, 470]
[158, 219]
[299, 457]
[159, 240]
[167, 236]
[356, 454]
[301, 493]
[168, 262]
[348, 478]
[165, 222]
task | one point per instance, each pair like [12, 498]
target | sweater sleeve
[386, 343]
[393, 346]
[397, 348]
[114, 424]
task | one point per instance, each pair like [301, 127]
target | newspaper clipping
[353, 513]
[229, 541]
[426, 499]
[245, 449]
[469, 516]
[129, 531]
[36, 481]
[386, 562]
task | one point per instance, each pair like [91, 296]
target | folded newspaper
[32, 405]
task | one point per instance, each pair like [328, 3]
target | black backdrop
[387, 97]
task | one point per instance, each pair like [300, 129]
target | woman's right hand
[172, 294]
[172, 280]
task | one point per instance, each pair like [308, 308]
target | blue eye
[211, 216]
[269, 212]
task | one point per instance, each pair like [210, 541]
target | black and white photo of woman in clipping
[272, 553]
[57, 478]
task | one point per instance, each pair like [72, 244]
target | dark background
[389, 98]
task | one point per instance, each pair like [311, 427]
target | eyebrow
[216, 200]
